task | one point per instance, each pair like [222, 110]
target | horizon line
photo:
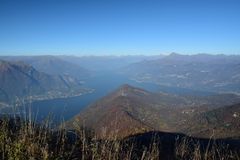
[113, 55]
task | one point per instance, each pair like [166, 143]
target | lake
[103, 83]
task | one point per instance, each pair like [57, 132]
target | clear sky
[117, 27]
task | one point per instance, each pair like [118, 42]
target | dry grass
[23, 139]
[187, 148]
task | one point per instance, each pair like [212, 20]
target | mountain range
[107, 63]
[216, 73]
[130, 110]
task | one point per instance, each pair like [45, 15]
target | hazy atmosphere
[120, 79]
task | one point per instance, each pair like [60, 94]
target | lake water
[103, 83]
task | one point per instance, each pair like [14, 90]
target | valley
[169, 108]
[125, 103]
[120, 80]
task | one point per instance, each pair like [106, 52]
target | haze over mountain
[129, 110]
[107, 63]
[133, 110]
[19, 80]
[53, 65]
[120, 79]
[217, 73]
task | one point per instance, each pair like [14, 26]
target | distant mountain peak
[173, 54]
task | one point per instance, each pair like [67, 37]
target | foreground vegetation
[23, 139]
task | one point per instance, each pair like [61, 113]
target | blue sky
[118, 27]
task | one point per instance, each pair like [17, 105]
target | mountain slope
[110, 115]
[129, 110]
[220, 122]
[53, 65]
[216, 73]
[126, 111]
[102, 63]
[20, 80]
